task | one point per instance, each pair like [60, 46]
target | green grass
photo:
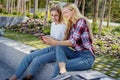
[108, 66]
[28, 39]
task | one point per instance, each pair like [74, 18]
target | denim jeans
[75, 60]
[37, 58]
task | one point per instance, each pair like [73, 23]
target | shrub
[29, 15]
[46, 30]
[94, 28]
[105, 31]
[114, 47]
[99, 43]
[14, 12]
[4, 12]
[1, 10]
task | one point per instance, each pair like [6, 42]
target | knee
[60, 47]
[27, 58]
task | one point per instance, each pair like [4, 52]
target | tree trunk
[101, 18]
[46, 13]
[7, 4]
[35, 7]
[18, 5]
[11, 7]
[83, 6]
[78, 2]
[22, 4]
[24, 7]
[109, 11]
[29, 5]
[13, 4]
[95, 14]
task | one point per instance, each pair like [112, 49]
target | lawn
[28, 39]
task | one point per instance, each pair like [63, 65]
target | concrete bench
[10, 21]
[12, 53]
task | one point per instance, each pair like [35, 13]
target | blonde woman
[81, 54]
[46, 55]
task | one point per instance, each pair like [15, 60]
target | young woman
[39, 57]
[81, 54]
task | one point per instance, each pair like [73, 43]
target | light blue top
[58, 31]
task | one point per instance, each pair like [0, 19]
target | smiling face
[55, 16]
[68, 13]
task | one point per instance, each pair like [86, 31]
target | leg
[74, 60]
[27, 61]
[61, 56]
[41, 60]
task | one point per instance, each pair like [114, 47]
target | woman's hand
[48, 40]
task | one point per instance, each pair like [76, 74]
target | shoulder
[81, 20]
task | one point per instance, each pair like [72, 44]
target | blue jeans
[37, 58]
[75, 60]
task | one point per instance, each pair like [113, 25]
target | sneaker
[64, 76]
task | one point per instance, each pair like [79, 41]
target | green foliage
[14, 12]
[116, 31]
[99, 43]
[114, 46]
[1, 10]
[39, 15]
[29, 15]
[105, 30]
[115, 11]
[46, 30]
[94, 28]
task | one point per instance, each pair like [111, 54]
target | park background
[104, 16]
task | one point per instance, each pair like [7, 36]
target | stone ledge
[12, 53]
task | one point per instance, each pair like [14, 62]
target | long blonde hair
[59, 10]
[77, 15]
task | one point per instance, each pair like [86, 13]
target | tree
[35, 7]
[95, 13]
[24, 7]
[78, 3]
[83, 6]
[18, 5]
[29, 5]
[7, 2]
[46, 13]
[101, 17]
[109, 11]
[11, 7]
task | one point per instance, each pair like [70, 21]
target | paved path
[110, 67]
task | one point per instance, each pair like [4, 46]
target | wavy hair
[77, 15]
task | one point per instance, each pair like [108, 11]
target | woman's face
[55, 16]
[67, 13]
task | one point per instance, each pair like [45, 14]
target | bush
[1, 10]
[14, 12]
[94, 28]
[46, 30]
[29, 15]
[116, 31]
[99, 43]
[4, 12]
[105, 31]
[114, 47]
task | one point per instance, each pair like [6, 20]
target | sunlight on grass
[28, 39]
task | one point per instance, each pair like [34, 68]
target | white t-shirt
[57, 31]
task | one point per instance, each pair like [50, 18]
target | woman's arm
[50, 41]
